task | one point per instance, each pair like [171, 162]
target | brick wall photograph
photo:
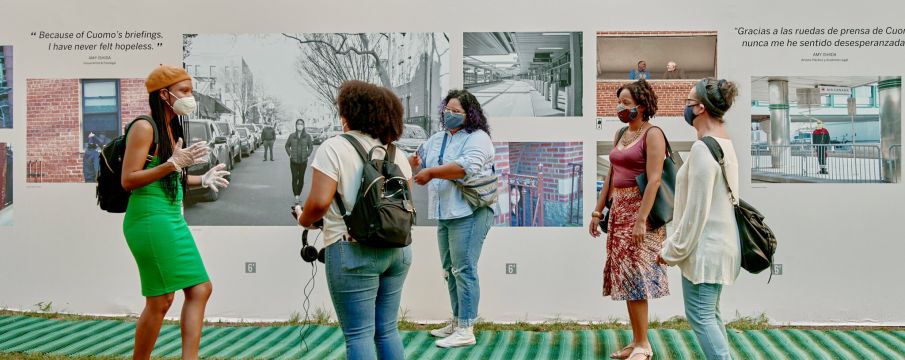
[690, 55]
[55, 151]
[542, 184]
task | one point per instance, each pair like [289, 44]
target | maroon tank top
[628, 163]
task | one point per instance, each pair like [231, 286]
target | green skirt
[161, 242]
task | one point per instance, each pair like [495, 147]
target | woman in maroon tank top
[631, 272]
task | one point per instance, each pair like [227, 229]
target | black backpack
[110, 193]
[757, 241]
[383, 214]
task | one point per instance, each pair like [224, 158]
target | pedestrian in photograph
[820, 138]
[155, 230]
[640, 72]
[91, 160]
[365, 282]
[705, 243]
[463, 150]
[268, 136]
[299, 147]
[631, 272]
[673, 72]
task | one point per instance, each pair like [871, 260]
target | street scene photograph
[826, 129]
[266, 103]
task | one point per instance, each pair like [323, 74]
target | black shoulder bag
[661, 212]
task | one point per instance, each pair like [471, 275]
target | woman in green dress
[154, 227]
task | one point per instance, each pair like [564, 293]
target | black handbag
[757, 241]
[661, 212]
[605, 217]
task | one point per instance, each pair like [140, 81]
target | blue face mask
[689, 115]
[452, 120]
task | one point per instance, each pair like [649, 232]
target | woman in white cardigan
[705, 244]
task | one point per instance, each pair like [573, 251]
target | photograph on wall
[524, 74]
[539, 185]
[6, 184]
[826, 129]
[267, 102]
[6, 87]
[672, 61]
[70, 120]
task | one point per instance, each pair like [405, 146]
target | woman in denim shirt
[463, 151]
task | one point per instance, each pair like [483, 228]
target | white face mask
[183, 106]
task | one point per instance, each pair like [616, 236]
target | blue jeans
[366, 286]
[702, 308]
[460, 247]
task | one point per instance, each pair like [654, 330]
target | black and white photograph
[266, 102]
[6, 87]
[826, 129]
[524, 74]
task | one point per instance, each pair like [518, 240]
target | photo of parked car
[246, 141]
[205, 130]
[331, 132]
[317, 134]
[232, 139]
[412, 137]
[254, 133]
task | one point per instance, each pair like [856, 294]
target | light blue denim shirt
[474, 152]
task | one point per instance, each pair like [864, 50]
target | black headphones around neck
[310, 253]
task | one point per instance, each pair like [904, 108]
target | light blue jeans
[460, 247]
[366, 286]
[702, 308]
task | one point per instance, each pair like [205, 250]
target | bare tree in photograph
[187, 44]
[329, 59]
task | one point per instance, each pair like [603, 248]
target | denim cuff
[463, 323]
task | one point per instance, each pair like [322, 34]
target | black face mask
[689, 114]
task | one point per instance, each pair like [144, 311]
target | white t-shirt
[337, 158]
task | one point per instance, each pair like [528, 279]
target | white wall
[841, 245]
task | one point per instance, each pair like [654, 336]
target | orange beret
[164, 76]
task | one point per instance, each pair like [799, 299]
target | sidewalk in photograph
[513, 98]
[24, 334]
[259, 193]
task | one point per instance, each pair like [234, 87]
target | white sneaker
[445, 331]
[461, 337]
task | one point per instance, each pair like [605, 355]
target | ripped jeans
[460, 247]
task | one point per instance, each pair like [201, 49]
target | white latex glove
[194, 154]
[214, 178]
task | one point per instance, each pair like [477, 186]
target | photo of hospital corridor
[526, 74]
[826, 129]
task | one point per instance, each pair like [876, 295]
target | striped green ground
[38, 338]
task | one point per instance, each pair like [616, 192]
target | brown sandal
[648, 354]
[621, 354]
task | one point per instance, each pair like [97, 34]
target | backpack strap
[357, 145]
[149, 119]
[717, 151]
